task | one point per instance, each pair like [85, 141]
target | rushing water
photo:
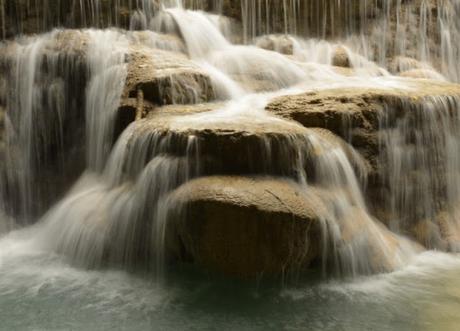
[81, 207]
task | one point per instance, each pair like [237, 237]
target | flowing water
[83, 207]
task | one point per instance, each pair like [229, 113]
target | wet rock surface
[247, 227]
[166, 78]
[354, 113]
[264, 146]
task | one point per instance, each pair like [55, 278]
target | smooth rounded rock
[247, 227]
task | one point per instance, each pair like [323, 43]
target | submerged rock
[247, 227]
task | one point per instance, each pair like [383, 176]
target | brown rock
[353, 113]
[247, 227]
[341, 58]
[279, 43]
[263, 145]
[166, 78]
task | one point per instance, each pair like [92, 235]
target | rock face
[246, 226]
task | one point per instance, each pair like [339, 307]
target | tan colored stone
[341, 58]
[247, 227]
[278, 43]
[166, 77]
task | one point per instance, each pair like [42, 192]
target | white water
[106, 84]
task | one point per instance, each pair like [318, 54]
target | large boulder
[423, 74]
[246, 226]
[252, 227]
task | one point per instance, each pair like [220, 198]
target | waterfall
[102, 193]
[414, 26]
[422, 152]
[103, 93]
[43, 102]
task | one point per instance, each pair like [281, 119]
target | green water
[40, 291]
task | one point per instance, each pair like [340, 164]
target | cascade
[44, 99]
[280, 140]
[149, 147]
[307, 141]
[118, 212]
[103, 93]
[421, 150]
[366, 24]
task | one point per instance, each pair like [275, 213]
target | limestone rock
[341, 58]
[2, 135]
[279, 43]
[357, 115]
[423, 74]
[264, 145]
[353, 113]
[247, 227]
[166, 78]
[403, 63]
